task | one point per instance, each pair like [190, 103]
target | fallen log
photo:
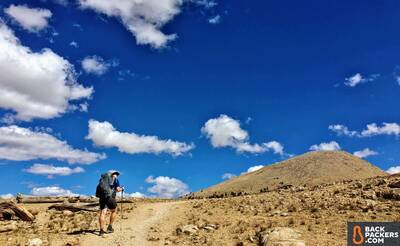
[19, 211]
[21, 199]
[72, 208]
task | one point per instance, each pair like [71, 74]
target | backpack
[103, 189]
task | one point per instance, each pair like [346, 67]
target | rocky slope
[310, 169]
[291, 216]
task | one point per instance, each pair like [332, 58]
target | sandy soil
[137, 228]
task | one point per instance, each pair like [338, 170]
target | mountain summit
[309, 169]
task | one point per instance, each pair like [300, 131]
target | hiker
[106, 191]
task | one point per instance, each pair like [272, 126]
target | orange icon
[357, 230]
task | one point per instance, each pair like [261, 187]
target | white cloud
[43, 169]
[226, 132]
[137, 195]
[7, 196]
[342, 130]
[24, 75]
[228, 176]
[331, 146]
[97, 65]
[23, 144]
[254, 168]
[204, 3]
[393, 170]
[371, 130]
[354, 80]
[167, 187]
[365, 153]
[31, 19]
[74, 44]
[215, 20]
[51, 191]
[386, 129]
[103, 134]
[357, 78]
[396, 74]
[144, 19]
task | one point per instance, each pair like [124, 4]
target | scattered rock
[9, 227]
[282, 236]
[187, 229]
[35, 242]
[395, 184]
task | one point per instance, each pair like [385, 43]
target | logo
[373, 233]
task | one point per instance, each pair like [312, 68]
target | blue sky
[180, 93]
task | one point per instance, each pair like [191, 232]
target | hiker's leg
[102, 217]
[113, 216]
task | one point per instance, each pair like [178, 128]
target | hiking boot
[102, 232]
[110, 229]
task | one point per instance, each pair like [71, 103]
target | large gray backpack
[103, 189]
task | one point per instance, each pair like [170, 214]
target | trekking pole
[122, 211]
[122, 201]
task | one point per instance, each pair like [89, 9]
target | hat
[114, 172]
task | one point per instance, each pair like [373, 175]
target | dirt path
[135, 229]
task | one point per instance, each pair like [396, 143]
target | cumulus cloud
[103, 134]
[365, 153]
[51, 191]
[137, 195]
[167, 187]
[74, 44]
[7, 196]
[254, 168]
[23, 144]
[331, 146]
[228, 176]
[371, 130]
[208, 4]
[144, 19]
[31, 19]
[215, 20]
[226, 132]
[386, 129]
[97, 65]
[342, 130]
[393, 170]
[357, 79]
[43, 169]
[24, 75]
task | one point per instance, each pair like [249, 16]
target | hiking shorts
[108, 202]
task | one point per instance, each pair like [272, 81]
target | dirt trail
[135, 229]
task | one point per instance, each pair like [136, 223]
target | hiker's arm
[117, 186]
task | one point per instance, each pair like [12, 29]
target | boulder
[395, 184]
[187, 229]
[282, 236]
[35, 242]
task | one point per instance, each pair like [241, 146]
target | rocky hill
[310, 169]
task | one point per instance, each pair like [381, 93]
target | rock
[209, 228]
[35, 242]
[187, 229]
[370, 194]
[9, 227]
[276, 212]
[282, 236]
[67, 212]
[395, 184]
[284, 214]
